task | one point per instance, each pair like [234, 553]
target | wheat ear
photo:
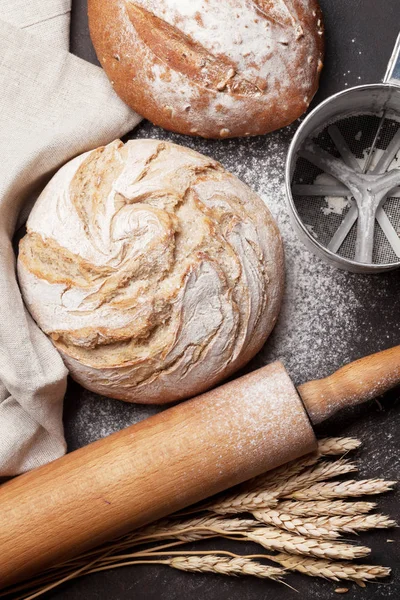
[343, 489]
[243, 502]
[354, 523]
[225, 566]
[296, 524]
[326, 447]
[337, 446]
[275, 539]
[325, 507]
[330, 570]
[327, 527]
[319, 472]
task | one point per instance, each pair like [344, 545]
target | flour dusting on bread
[215, 68]
[154, 271]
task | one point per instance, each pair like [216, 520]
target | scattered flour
[335, 205]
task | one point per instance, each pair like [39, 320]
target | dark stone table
[329, 317]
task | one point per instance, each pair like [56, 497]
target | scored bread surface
[154, 271]
[214, 68]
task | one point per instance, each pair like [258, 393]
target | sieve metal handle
[392, 74]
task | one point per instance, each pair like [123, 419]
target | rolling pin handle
[353, 384]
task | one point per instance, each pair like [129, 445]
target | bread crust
[155, 272]
[212, 68]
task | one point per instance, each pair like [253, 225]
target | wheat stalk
[192, 529]
[207, 561]
[354, 523]
[225, 566]
[325, 507]
[296, 524]
[327, 527]
[326, 447]
[343, 489]
[275, 539]
[319, 472]
[259, 486]
[285, 484]
[330, 570]
[337, 446]
[302, 529]
[243, 502]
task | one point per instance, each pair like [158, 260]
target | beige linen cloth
[53, 106]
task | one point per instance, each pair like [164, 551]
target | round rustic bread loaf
[154, 271]
[214, 68]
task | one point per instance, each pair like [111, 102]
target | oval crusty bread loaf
[214, 68]
[154, 271]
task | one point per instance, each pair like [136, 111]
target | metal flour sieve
[343, 176]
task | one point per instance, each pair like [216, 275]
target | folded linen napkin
[53, 106]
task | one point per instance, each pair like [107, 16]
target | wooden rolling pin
[172, 460]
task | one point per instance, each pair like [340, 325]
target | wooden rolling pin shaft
[149, 470]
[172, 460]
